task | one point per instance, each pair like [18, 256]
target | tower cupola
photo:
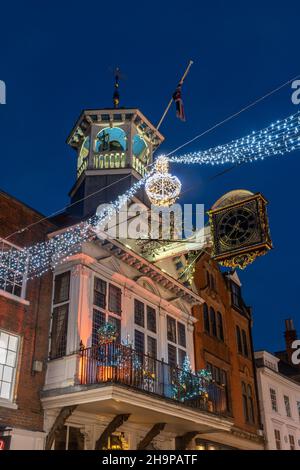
[114, 147]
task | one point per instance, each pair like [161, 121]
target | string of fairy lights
[277, 139]
[162, 188]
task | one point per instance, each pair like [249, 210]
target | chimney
[290, 335]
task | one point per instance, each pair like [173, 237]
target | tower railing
[109, 160]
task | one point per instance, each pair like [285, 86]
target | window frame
[148, 333]
[236, 295]
[108, 314]
[56, 306]
[5, 247]
[273, 399]
[180, 350]
[15, 367]
[287, 406]
[277, 435]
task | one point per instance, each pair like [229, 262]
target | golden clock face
[238, 226]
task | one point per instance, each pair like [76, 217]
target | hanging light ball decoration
[161, 187]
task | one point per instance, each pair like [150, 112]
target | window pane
[151, 319]
[117, 323]
[13, 343]
[152, 348]
[11, 358]
[3, 340]
[171, 329]
[181, 334]
[172, 359]
[239, 340]
[273, 399]
[59, 331]
[212, 315]
[287, 406]
[220, 326]
[1, 371]
[98, 320]
[236, 295]
[61, 287]
[100, 293]
[139, 313]
[139, 341]
[5, 390]
[181, 357]
[277, 439]
[206, 319]
[114, 299]
[7, 374]
[3, 353]
[245, 343]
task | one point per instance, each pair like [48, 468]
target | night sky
[57, 59]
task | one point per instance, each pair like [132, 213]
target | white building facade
[279, 398]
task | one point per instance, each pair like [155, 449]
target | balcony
[115, 363]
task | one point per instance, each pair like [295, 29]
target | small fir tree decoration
[107, 333]
[190, 385]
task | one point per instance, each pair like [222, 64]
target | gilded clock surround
[239, 228]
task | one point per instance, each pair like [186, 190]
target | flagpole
[171, 100]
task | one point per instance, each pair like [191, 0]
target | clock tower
[113, 149]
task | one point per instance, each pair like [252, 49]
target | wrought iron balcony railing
[116, 363]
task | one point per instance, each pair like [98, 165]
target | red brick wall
[31, 321]
[224, 355]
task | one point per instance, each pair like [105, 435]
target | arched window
[245, 344]
[250, 404]
[212, 315]
[111, 139]
[140, 148]
[239, 340]
[220, 326]
[206, 318]
[245, 402]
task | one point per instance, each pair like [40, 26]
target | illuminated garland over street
[40, 257]
[279, 138]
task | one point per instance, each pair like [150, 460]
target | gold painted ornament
[162, 188]
[239, 228]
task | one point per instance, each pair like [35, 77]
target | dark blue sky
[55, 58]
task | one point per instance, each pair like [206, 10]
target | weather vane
[116, 95]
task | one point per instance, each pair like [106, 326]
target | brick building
[223, 344]
[24, 327]
[134, 396]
